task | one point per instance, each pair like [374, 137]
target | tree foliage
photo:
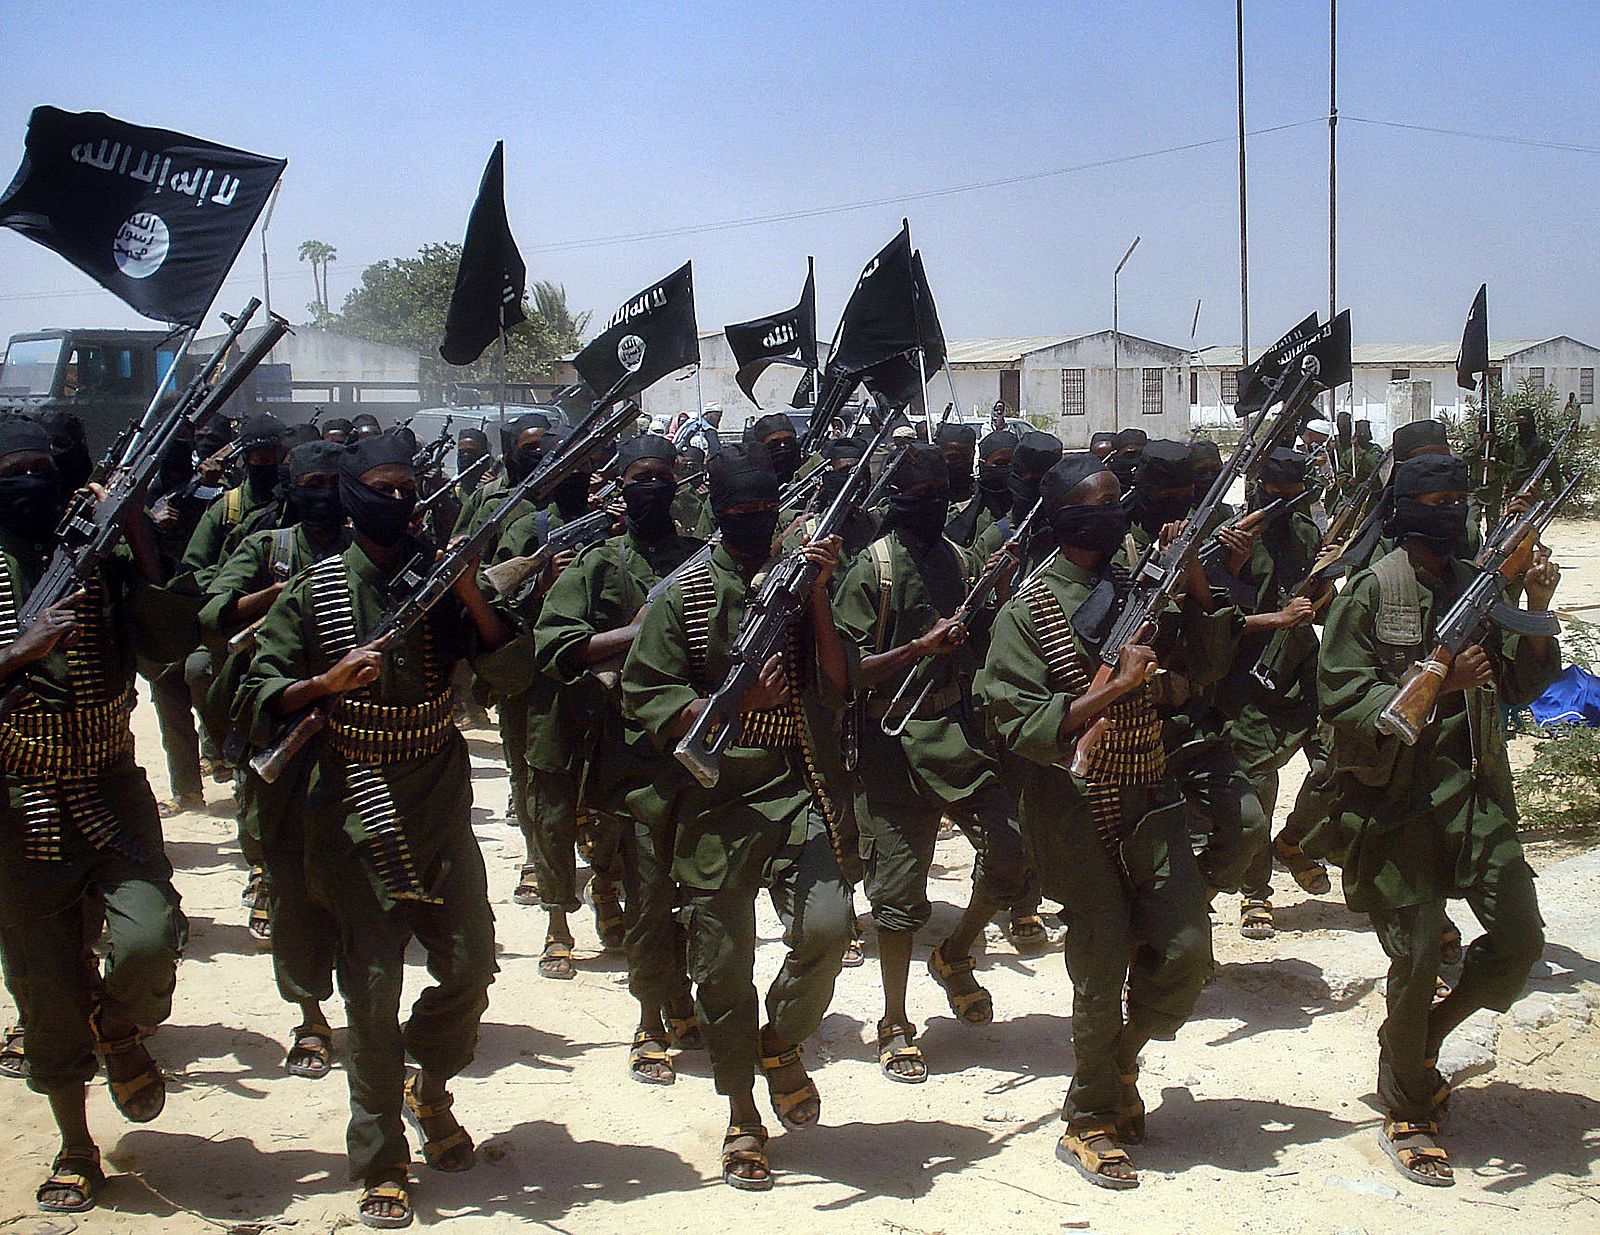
[403, 301]
[320, 254]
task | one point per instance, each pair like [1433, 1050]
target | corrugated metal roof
[1003, 351]
[1399, 355]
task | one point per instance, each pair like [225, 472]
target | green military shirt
[431, 793]
[1418, 823]
[692, 513]
[219, 528]
[878, 609]
[1270, 575]
[730, 835]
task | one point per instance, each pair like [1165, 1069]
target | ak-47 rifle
[1530, 487]
[479, 465]
[1159, 575]
[898, 715]
[1215, 550]
[781, 598]
[92, 526]
[1272, 670]
[430, 454]
[426, 580]
[1482, 603]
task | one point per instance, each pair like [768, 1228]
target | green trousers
[305, 936]
[656, 943]
[1158, 919]
[1264, 743]
[1493, 971]
[813, 904]
[514, 745]
[174, 704]
[457, 936]
[1226, 820]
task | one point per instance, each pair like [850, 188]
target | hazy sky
[625, 117]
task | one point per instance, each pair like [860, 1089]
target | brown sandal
[645, 1052]
[972, 1005]
[125, 1089]
[757, 1157]
[13, 1055]
[527, 889]
[1255, 919]
[76, 1172]
[890, 1032]
[311, 1053]
[391, 1191]
[609, 922]
[785, 1103]
[437, 1152]
[1027, 931]
[1310, 874]
[1077, 1149]
[1410, 1146]
[556, 959]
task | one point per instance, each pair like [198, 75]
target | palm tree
[319, 253]
[550, 302]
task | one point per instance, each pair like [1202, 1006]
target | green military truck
[107, 377]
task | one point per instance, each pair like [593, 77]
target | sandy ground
[1261, 1117]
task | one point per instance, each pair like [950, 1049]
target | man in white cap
[701, 432]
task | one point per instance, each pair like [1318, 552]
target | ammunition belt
[377, 733]
[770, 729]
[36, 744]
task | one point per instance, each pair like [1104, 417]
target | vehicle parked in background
[105, 377]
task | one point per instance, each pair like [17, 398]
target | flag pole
[505, 367]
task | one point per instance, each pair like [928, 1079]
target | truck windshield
[30, 367]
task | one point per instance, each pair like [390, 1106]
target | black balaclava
[1162, 465]
[920, 516]
[1098, 529]
[741, 474]
[318, 507]
[1527, 429]
[1036, 454]
[407, 435]
[841, 449]
[365, 424]
[260, 431]
[965, 438]
[336, 424]
[649, 502]
[571, 496]
[70, 447]
[994, 479]
[1124, 461]
[380, 517]
[213, 436]
[1364, 431]
[300, 435]
[471, 445]
[1443, 528]
[30, 506]
[1206, 460]
[520, 461]
[1282, 467]
[1410, 438]
[785, 457]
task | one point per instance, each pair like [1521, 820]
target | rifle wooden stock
[1409, 712]
[269, 764]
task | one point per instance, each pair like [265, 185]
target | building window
[1194, 387]
[1230, 386]
[1399, 375]
[1154, 392]
[1536, 379]
[1072, 396]
[1586, 386]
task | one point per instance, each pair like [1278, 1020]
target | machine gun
[897, 716]
[1160, 572]
[762, 633]
[471, 472]
[429, 455]
[426, 579]
[1465, 622]
[92, 525]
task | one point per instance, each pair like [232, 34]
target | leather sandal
[311, 1052]
[1255, 918]
[890, 1032]
[645, 1052]
[761, 1181]
[972, 1006]
[1090, 1151]
[1310, 874]
[125, 1089]
[784, 1103]
[527, 889]
[437, 1152]
[392, 1191]
[1410, 1146]
[76, 1172]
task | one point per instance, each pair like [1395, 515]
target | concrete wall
[1113, 397]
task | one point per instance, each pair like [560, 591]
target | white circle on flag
[141, 245]
[630, 352]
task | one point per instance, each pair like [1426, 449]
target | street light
[1116, 347]
[266, 279]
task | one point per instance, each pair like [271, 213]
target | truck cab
[105, 377]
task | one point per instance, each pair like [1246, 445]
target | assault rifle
[762, 633]
[971, 604]
[92, 526]
[1331, 561]
[1215, 551]
[1465, 622]
[427, 579]
[1530, 488]
[430, 454]
[1160, 572]
[471, 472]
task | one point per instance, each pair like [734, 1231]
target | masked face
[748, 533]
[1096, 529]
[785, 452]
[832, 484]
[921, 516]
[261, 469]
[380, 506]
[571, 496]
[32, 500]
[959, 465]
[1152, 512]
[1443, 527]
[316, 504]
[649, 504]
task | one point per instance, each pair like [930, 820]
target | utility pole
[1116, 339]
[266, 222]
[1244, 231]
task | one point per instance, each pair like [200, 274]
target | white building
[334, 369]
[1561, 363]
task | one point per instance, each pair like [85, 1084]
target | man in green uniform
[244, 508]
[690, 511]
[776, 432]
[770, 821]
[1416, 825]
[1127, 447]
[896, 605]
[522, 445]
[81, 836]
[992, 496]
[388, 817]
[585, 626]
[1267, 727]
[303, 933]
[1112, 846]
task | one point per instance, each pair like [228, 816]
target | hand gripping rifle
[1331, 561]
[92, 526]
[1215, 551]
[1159, 574]
[765, 627]
[426, 580]
[430, 454]
[1530, 489]
[897, 716]
[1465, 622]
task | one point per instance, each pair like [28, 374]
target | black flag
[880, 319]
[491, 280]
[1256, 381]
[930, 334]
[1473, 358]
[155, 217]
[654, 334]
[788, 338]
[1329, 343]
